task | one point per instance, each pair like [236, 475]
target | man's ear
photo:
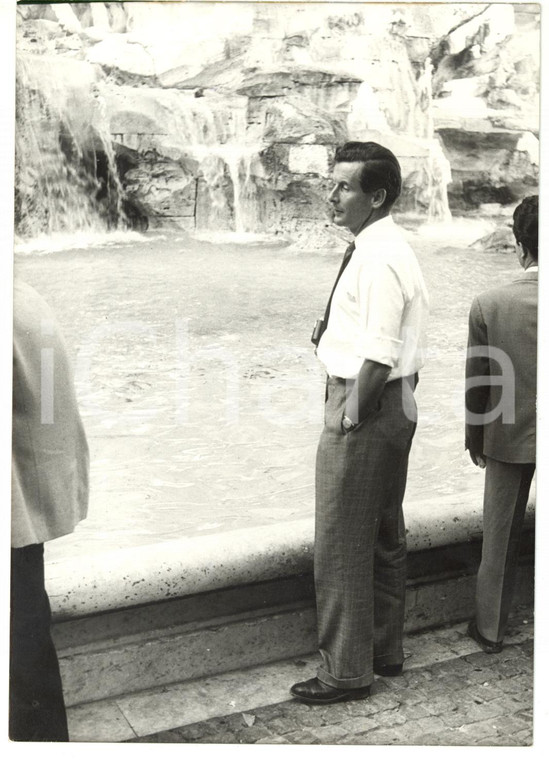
[378, 197]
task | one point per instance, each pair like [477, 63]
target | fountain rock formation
[486, 105]
[225, 117]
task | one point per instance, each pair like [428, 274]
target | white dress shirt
[379, 308]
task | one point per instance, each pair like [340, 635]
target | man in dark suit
[50, 465]
[501, 423]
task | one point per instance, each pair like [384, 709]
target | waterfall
[433, 193]
[215, 133]
[439, 176]
[66, 177]
[241, 164]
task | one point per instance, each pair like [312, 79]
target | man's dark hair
[381, 168]
[525, 224]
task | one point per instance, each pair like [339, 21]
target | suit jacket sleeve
[477, 365]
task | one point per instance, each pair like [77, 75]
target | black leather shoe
[388, 671]
[490, 647]
[315, 692]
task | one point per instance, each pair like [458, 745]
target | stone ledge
[191, 566]
[153, 646]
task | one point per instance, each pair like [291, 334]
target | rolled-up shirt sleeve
[382, 303]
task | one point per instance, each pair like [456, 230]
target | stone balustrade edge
[186, 566]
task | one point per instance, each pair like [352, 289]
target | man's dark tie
[346, 258]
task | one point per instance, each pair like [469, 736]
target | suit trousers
[506, 489]
[36, 704]
[360, 542]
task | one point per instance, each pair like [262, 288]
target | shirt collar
[372, 229]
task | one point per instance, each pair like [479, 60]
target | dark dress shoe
[315, 692]
[388, 671]
[490, 647]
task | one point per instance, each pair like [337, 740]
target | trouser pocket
[334, 408]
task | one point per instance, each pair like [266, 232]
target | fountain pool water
[200, 393]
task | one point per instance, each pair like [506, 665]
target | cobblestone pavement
[475, 699]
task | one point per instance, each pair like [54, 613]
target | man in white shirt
[371, 343]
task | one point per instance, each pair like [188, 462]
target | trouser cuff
[344, 683]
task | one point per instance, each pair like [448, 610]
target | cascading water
[199, 148]
[439, 176]
[214, 132]
[439, 172]
[66, 177]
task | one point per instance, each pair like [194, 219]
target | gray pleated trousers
[360, 541]
[506, 489]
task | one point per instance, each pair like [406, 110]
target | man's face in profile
[351, 206]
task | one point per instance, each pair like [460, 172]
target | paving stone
[452, 668]
[361, 707]
[430, 724]
[529, 648]
[396, 685]
[510, 725]
[301, 737]
[484, 692]
[524, 737]
[473, 713]
[359, 739]
[329, 734]
[450, 737]
[441, 704]
[173, 737]
[437, 687]
[491, 741]
[479, 730]
[512, 652]
[483, 660]
[510, 705]
[306, 715]
[411, 696]
[516, 685]
[311, 718]
[480, 675]
[253, 734]
[381, 736]
[385, 701]
[390, 718]
[331, 713]
[436, 738]
[417, 678]
[510, 669]
[284, 724]
[473, 700]
[358, 725]
[275, 711]
[368, 707]
[223, 737]
[413, 711]
[273, 740]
